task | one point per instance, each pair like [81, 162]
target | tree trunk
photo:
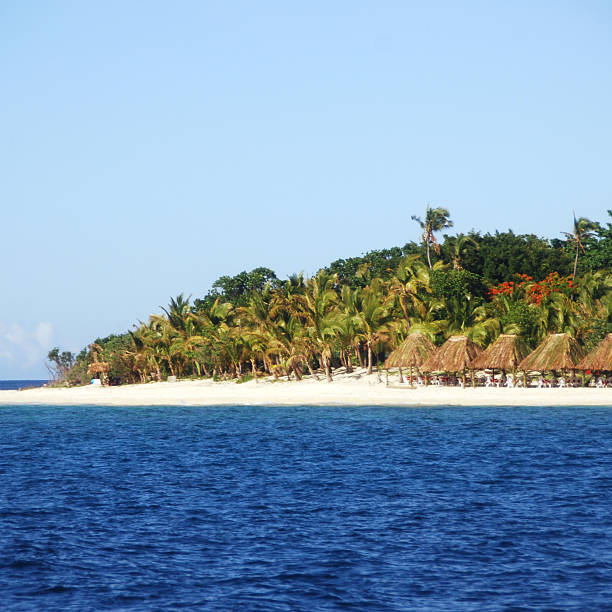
[267, 365]
[298, 376]
[254, 369]
[427, 241]
[312, 372]
[327, 369]
[359, 356]
[575, 262]
[405, 311]
[369, 358]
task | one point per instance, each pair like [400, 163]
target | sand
[357, 389]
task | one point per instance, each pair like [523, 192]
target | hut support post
[472, 375]
[463, 377]
[411, 379]
[401, 375]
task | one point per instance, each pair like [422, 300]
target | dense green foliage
[237, 289]
[356, 310]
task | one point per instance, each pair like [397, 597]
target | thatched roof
[504, 354]
[557, 352]
[413, 351]
[99, 367]
[454, 355]
[600, 358]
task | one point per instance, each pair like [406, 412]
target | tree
[409, 285]
[316, 308]
[177, 312]
[583, 229]
[457, 245]
[599, 252]
[237, 289]
[436, 219]
[59, 364]
[374, 317]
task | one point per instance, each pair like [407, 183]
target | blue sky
[151, 147]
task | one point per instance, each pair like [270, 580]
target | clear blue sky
[151, 147]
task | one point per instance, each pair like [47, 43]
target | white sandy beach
[357, 389]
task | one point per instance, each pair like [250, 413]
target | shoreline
[356, 389]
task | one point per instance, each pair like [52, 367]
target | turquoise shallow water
[167, 508]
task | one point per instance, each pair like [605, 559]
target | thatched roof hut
[556, 352]
[600, 358]
[413, 351]
[455, 355]
[504, 354]
[98, 367]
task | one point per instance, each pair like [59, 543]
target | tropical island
[360, 315]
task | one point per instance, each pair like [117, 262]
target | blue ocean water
[6, 385]
[309, 508]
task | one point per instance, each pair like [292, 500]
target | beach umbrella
[504, 354]
[600, 358]
[455, 355]
[556, 352]
[411, 353]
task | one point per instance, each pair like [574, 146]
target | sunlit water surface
[167, 508]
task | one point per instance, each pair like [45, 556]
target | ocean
[305, 508]
[6, 385]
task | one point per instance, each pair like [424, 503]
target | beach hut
[99, 367]
[506, 353]
[558, 352]
[411, 353]
[455, 355]
[600, 358]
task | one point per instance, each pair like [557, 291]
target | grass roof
[413, 351]
[455, 355]
[504, 354]
[98, 367]
[600, 358]
[556, 352]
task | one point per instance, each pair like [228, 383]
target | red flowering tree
[525, 288]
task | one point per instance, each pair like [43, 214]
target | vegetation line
[357, 310]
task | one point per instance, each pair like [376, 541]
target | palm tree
[583, 229]
[164, 336]
[436, 219]
[373, 317]
[409, 285]
[177, 311]
[317, 309]
[457, 246]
